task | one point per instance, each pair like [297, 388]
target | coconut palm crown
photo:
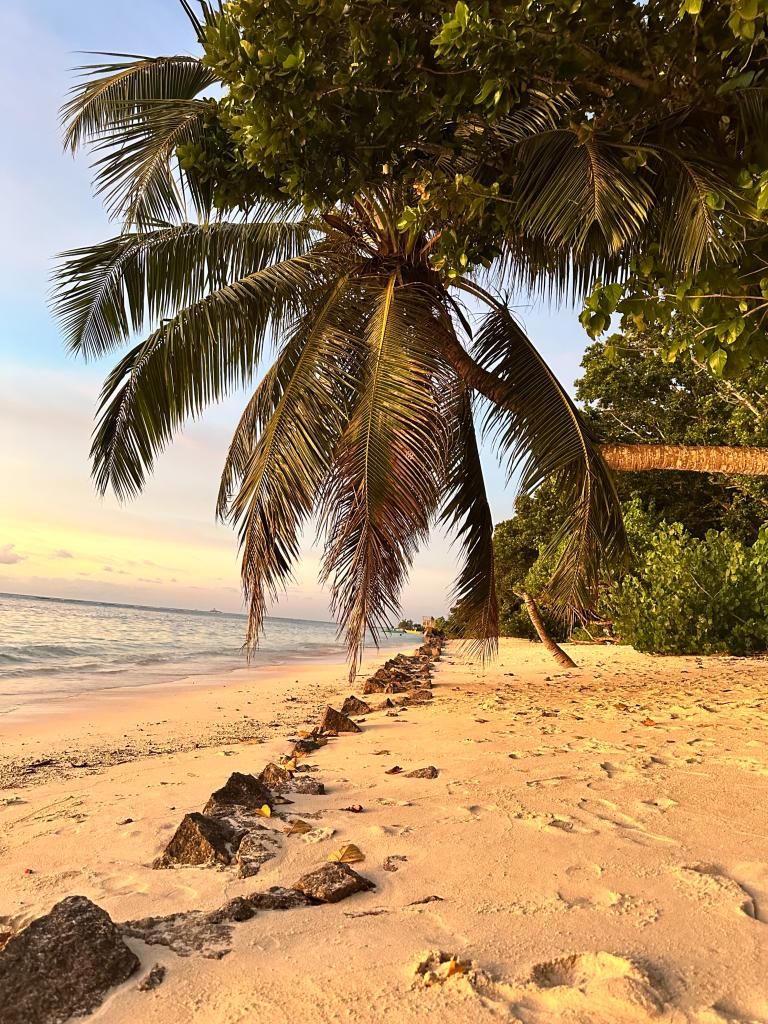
[383, 369]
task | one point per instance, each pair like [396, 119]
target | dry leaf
[648, 721]
[355, 808]
[456, 967]
[349, 854]
[265, 811]
[298, 828]
[393, 771]
[378, 753]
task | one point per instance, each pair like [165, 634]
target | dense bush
[689, 595]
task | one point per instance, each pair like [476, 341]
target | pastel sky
[57, 536]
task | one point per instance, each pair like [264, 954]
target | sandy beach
[593, 849]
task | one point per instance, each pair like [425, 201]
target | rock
[423, 773]
[308, 787]
[62, 964]
[334, 722]
[274, 776]
[278, 898]
[374, 686]
[187, 934]
[152, 979]
[239, 793]
[420, 695]
[256, 847]
[201, 840]
[354, 706]
[332, 882]
[238, 909]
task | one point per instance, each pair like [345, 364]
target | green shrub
[692, 596]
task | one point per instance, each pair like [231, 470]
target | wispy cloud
[62, 553]
[8, 556]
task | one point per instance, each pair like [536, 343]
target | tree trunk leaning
[637, 458]
[554, 649]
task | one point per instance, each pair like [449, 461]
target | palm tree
[367, 418]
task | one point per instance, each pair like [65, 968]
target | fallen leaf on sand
[648, 721]
[354, 808]
[349, 854]
[427, 899]
[393, 771]
[378, 753]
[298, 828]
[265, 811]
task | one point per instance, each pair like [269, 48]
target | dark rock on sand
[239, 793]
[154, 977]
[238, 909]
[257, 846]
[201, 840]
[334, 722]
[279, 898]
[187, 934]
[307, 787]
[332, 883]
[420, 695]
[354, 706]
[62, 964]
[423, 773]
[274, 776]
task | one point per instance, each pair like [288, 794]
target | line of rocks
[63, 963]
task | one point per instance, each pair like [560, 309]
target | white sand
[617, 816]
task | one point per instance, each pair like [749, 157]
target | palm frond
[104, 293]
[539, 432]
[193, 359]
[283, 448]
[467, 514]
[136, 114]
[389, 466]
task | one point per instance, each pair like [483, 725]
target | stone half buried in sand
[62, 964]
[280, 780]
[332, 882]
[274, 776]
[279, 898]
[430, 772]
[334, 722]
[239, 793]
[354, 706]
[200, 839]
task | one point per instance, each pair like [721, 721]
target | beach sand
[598, 841]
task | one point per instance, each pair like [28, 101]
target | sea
[52, 649]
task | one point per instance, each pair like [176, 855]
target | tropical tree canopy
[577, 141]
[366, 419]
[369, 292]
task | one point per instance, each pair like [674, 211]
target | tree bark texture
[554, 649]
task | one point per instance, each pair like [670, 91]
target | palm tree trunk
[625, 458]
[637, 458]
[554, 649]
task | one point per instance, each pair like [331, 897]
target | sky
[58, 537]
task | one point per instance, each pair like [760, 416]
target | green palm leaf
[539, 431]
[389, 467]
[106, 292]
[137, 113]
[466, 512]
[190, 361]
[284, 445]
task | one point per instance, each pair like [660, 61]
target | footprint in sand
[713, 885]
[608, 814]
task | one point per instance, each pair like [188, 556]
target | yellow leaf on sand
[349, 854]
[265, 811]
[298, 828]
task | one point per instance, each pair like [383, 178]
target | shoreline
[594, 843]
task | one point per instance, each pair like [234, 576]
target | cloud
[62, 553]
[8, 556]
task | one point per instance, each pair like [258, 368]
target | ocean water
[51, 649]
